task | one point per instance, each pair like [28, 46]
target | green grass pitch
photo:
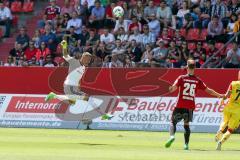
[52, 144]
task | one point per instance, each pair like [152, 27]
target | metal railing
[223, 47]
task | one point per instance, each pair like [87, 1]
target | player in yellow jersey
[231, 113]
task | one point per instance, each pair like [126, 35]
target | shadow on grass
[93, 144]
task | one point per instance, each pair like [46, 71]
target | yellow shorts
[231, 116]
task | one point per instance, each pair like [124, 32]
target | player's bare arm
[173, 88]
[228, 93]
[214, 93]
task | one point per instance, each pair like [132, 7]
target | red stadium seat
[15, 20]
[1, 32]
[16, 7]
[193, 34]
[191, 46]
[28, 7]
[205, 46]
[183, 32]
[229, 46]
[170, 32]
[203, 35]
[219, 46]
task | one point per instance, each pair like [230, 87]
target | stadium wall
[22, 92]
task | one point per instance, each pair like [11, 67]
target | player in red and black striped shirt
[187, 86]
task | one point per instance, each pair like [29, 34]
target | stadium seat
[219, 46]
[203, 35]
[1, 32]
[229, 46]
[170, 32]
[15, 20]
[191, 46]
[183, 32]
[193, 34]
[205, 46]
[16, 7]
[28, 7]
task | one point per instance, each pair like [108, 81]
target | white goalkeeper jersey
[75, 73]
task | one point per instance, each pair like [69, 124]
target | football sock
[226, 136]
[187, 133]
[172, 129]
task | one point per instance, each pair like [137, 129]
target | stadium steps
[28, 20]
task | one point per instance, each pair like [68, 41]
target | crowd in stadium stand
[152, 33]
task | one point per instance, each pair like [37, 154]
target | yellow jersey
[235, 93]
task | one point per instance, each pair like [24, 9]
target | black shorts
[182, 113]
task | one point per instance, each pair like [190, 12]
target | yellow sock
[225, 136]
[219, 135]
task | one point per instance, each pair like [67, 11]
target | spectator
[84, 35]
[93, 38]
[107, 37]
[65, 20]
[180, 14]
[49, 38]
[23, 38]
[154, 25]
[206, 13]
[82, 10]
[73, 39]
[178, 38]
[219, 9]
[106, 62]
[119, 48]
[133, 24]
[147, 37]
[67, 8]
[115, 62]
[21, 61]
[233, 8]
[126, 9]
[188, 21]
[17, 51]
[5, 18]
[215, 30]
[121, 35]
[109, 21]
[138, 12]
[196, 17]
[211, 52]
[236, 27]
[230, 26]
[36, 38]
[165, 37]
[42, 52]
[135, 36]
[30, 51]
[164, 14]
[128, 63]
[185, 53]
[174, 57]
[160, 53]
[49, 61]
[233, 57]
[88, 3]
[199, 54]
[121, 22]
[150, 9]
[100, 51]
[33, 62]
[52, 11]
[147, 55]
[10, 62]
[97, 16]
[134, 51]
[75, 22]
